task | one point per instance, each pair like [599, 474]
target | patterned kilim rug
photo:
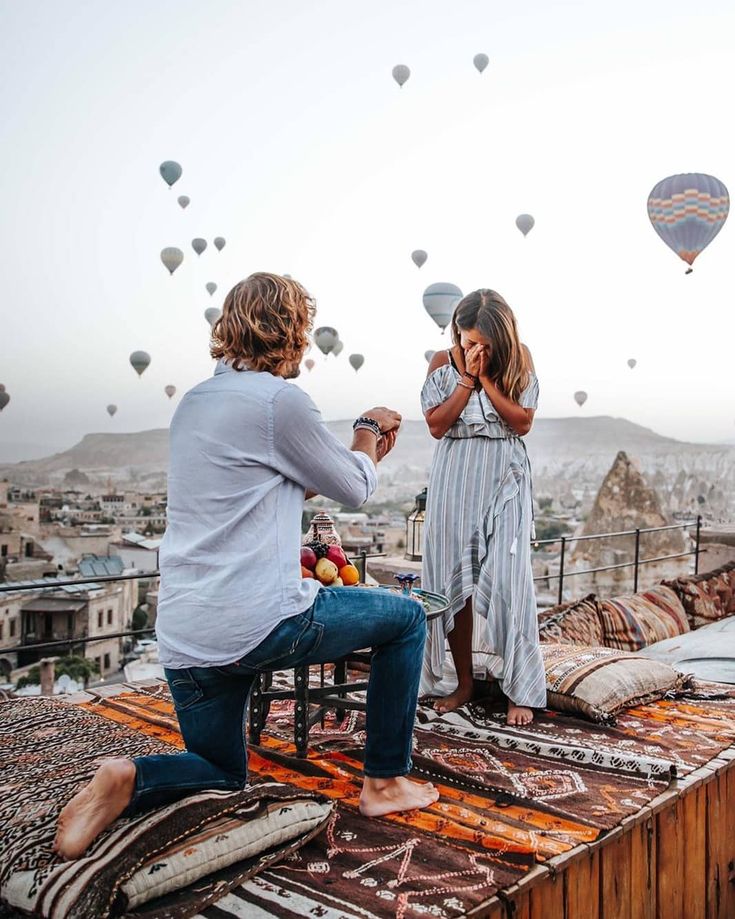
[509, 797]
[49, 749]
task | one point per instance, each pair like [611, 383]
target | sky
[299, 148]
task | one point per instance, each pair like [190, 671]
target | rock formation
[625, 502]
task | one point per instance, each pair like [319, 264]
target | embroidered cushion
[575, 623]
[601, 682]
[224, 843]
[707, 597]
[634, 622]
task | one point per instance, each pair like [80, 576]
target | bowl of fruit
[328, 564]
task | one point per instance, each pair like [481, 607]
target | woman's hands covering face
[477, 360]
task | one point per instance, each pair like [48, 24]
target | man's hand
[385, 444]
[387, 419]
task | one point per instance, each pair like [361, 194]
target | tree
[140, 618]
[79, 669]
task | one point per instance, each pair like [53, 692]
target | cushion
[707, 597]
[223, 843]
[631, 623]
[575, 623]
[600, 682]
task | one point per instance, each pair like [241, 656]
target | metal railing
[43, 584]
[637, 561]
[361, 560]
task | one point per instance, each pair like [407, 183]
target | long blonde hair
[486, 311]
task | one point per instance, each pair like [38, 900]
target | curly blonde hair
[265, 325]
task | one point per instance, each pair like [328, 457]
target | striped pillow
[601, 682]
[575, 623]
[632, 623]
[707, 597]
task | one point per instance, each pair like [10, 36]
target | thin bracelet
[471, 376]
[367, 427]
[465, 385]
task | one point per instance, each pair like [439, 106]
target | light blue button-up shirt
[245, 447]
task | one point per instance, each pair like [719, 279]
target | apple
[306, 573]
[326, 571]
[308, 558]
[337, 582]
[336, 555]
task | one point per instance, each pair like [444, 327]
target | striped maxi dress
[478, 528]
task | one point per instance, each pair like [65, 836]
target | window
[2, 629]
[3, 551]
[109, 617]
[107, 661]
[99, 618]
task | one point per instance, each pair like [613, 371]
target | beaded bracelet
[367, 424]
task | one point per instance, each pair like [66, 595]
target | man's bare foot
[519, 714]
[95, 807]
[464, 693]
[389, 796]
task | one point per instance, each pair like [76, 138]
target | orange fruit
[305, 573]
[350, 575]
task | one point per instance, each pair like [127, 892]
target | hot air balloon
[688, 211]
[580, 397]
[401, 73]
[199, 245]
[170, 172]
[439, 302]
[356, 361]
[169, 390]
[220, 242]
[428, 355]
[212, 314]
[111, 409]
[211, 287]
[4, 398]
[326, 338]
[338, 348]
[309, 363]
[184, 201]
[140, 360]
[172, 258]
[481, 61]
[418, 257]
[632, 362]
[525, 223]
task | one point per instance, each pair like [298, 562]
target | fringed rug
[509, 797]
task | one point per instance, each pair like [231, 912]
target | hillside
[570, 457]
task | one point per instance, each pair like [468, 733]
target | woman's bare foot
[95, 807]
[464, 693]
[389, 796]
[519, 714]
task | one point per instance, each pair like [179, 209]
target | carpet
[510, 797]
[49, 749]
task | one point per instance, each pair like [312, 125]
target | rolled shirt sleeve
[304, 450]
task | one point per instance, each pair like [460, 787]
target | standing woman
[479, 400]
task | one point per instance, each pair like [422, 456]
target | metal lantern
[415, 529]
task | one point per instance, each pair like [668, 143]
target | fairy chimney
[625, 502]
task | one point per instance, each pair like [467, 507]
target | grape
[318, 548]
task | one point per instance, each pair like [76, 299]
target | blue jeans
[211, 702]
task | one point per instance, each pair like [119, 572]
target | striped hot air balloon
[688, 211]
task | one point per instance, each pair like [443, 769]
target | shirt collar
[222, 367]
